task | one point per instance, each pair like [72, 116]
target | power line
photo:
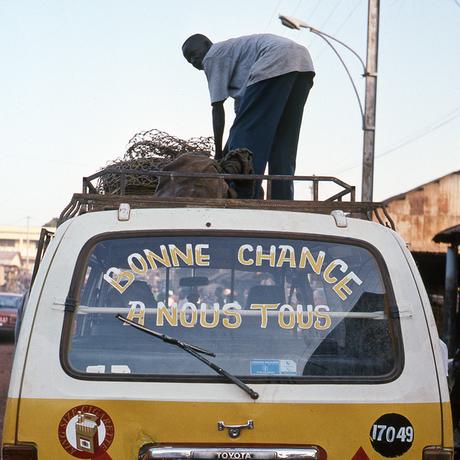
[451, 116]
[457, 2]
[320, 27]
[416, 138]
[275, 11]
[294, 11]
[350, 14]
[314, 8]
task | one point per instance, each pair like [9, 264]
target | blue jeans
[268, 124]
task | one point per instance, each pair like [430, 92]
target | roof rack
[93, 198]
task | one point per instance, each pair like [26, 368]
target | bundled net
[149, 151]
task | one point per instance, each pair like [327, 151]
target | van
[221, 329]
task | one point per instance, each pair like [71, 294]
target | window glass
[267, 307]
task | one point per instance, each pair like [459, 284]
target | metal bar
[376, 315]
[220, 188]
[227, 176]
[123, 184]
[45, 238]
[337, 196]
[269, 189]
[88, 187]
[377, 215]
[315, 190]
[387, 215]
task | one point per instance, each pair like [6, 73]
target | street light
[370, 74]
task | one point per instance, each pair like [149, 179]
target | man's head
[195, 48]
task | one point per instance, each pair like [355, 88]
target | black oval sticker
[392, 435]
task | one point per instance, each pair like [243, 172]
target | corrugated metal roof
[401, 196]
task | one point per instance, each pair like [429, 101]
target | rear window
[269, 308]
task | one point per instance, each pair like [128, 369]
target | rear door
[321, 327]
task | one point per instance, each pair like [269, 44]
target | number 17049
[389, 433]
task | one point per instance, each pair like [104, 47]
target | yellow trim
[9, 421]
[339, 428]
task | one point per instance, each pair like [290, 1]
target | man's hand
[218, 124]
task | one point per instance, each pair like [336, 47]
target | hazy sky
[80, 77]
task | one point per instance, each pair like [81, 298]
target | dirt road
[6, 360]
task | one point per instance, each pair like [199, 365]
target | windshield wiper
[194, 351]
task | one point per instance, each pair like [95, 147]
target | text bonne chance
[335, 273]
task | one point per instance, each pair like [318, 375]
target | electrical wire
[350, 14]
[416, 138]
[275, 11]
[330, 14]
[327, 19]
[451, 116]
[313, 11]
[294, 11]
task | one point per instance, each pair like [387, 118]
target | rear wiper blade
[194, 351]
[166, 338]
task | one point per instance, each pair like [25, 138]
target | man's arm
[218, 124]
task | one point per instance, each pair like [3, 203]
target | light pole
[370, 74]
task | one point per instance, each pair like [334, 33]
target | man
[269, 77]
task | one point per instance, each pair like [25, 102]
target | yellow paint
[231, 309]
[241, 259]
[263, 311]
[120, 280]
[287, 255]
[9, 421]
[140, 270]
[270, 257]
[314, 264]
[339, 428]
[136, 311]
[188, 315]
[203, 316]
[328, 270]
[342, 285]
[322, 326]
[290, 315]
[176, 254]
[168, 313]
[201, 259]
[154, 258]
[300, 321]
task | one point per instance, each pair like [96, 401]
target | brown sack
[235, 162]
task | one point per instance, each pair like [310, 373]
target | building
[420, 214]
[21, 241]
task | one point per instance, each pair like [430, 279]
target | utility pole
[370, 101]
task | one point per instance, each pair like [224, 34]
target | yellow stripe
[341, 429]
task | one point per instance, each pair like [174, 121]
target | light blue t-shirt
[232, 65]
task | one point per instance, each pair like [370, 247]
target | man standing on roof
[269, 77]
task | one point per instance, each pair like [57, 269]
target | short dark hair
[196, 38]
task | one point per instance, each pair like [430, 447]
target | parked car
[9, 304]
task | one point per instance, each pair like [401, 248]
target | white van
[220, 329]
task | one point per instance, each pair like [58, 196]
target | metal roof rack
[93, 198]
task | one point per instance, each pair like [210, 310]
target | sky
[80, 77]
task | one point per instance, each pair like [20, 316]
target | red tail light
[19, 452]
[437, 453]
